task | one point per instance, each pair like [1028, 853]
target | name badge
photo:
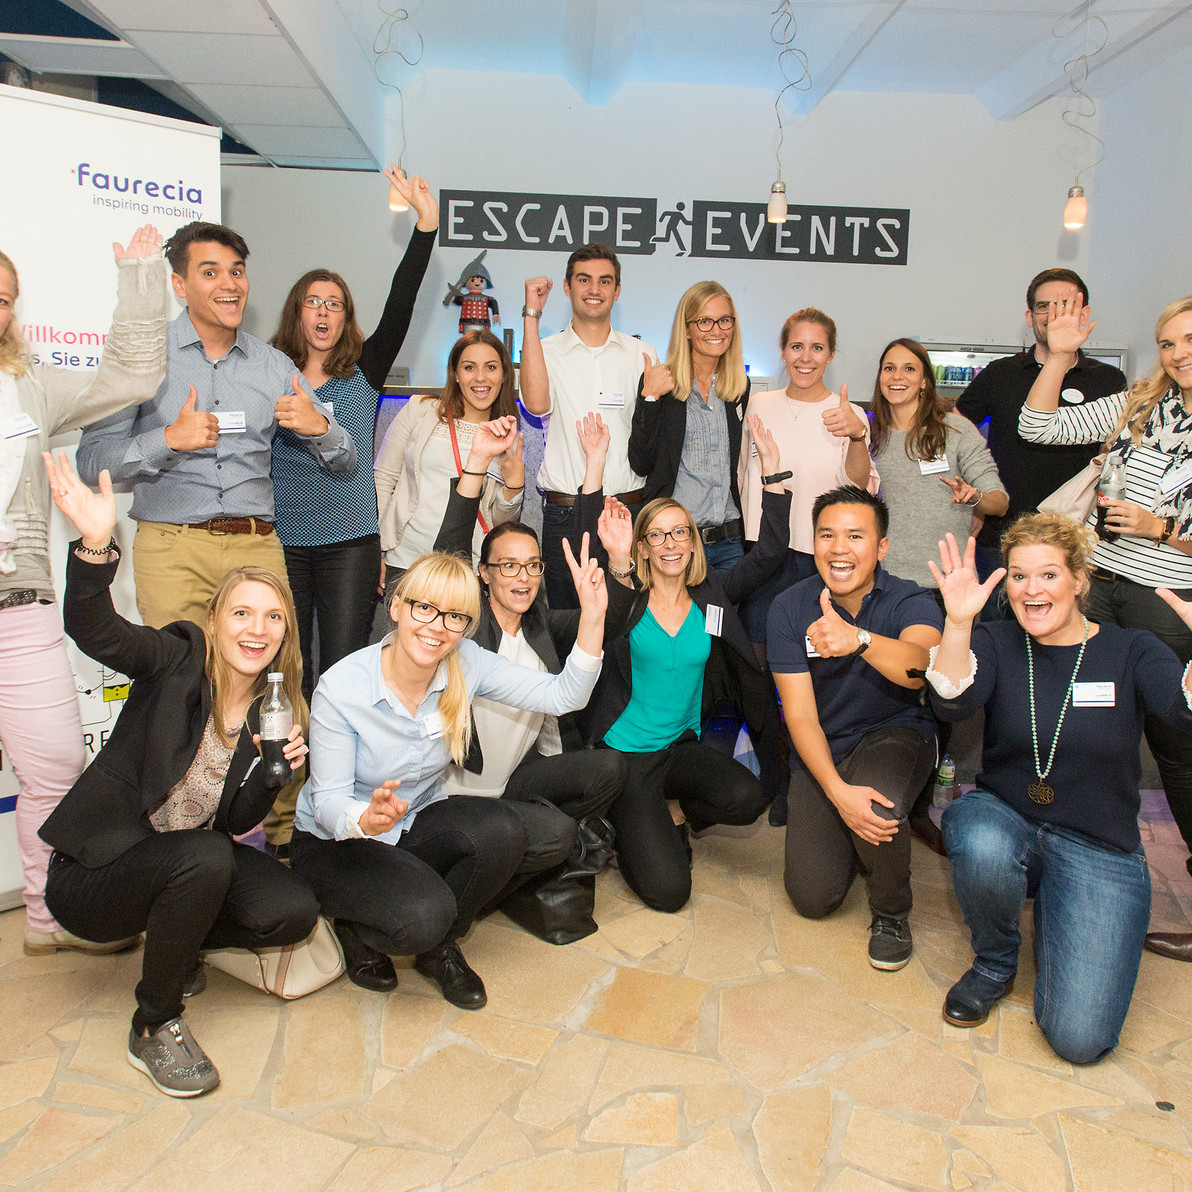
[232, 422]
[1072, 396]
[713, 620]
[19, 426]
[1175, 479]
[1093, 695]
[929, 467]
[610, 398]
[434, 726]
[812, 652]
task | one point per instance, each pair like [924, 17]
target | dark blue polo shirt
[851, 697]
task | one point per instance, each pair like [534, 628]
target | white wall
[985, 198]
[1141, 241]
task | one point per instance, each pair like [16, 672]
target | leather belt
[235, 525]
[1108, 576]
[567, 500]
[17, 599]
[713, 534]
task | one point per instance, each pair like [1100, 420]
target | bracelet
[857, 439]
[529, 312]
[622, 574]
[88, 550]
[980, 498]
[512, 488]
[465, 472]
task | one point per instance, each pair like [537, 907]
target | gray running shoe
[172, 1059]
[890, 943]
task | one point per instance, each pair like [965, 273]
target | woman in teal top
[685, 650]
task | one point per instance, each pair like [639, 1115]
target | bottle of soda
[1111, 488]
[277, 718]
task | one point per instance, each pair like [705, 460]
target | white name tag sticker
[610, 398]
[714, 619]
[434, 726]
[929, 467]
[1093, 695]
[18, 426]
[1072, 396]
[231, 422]
[1175, 479]
[812, 652]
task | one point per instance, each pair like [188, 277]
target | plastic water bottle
[945, 783]
[1111, 488]
[277, 718]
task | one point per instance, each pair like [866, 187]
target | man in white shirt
[587, 367]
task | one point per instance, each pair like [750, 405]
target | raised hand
[384, 809]
[593, 435]
[843, 421]
[832, 636]
[1068, 326]
[956, 577]
[297, 412]
[491, 439]
[1182, 608]
[93, 514]
[192, 430]
[767, 450]
[146, 240]
[422, 199]
[614, 528]
[963, 493]
[656, 378]
[513, 463]
[537, 289]
[588, 577]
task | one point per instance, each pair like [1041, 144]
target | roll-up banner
[79, 176]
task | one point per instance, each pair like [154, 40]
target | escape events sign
[562, 223]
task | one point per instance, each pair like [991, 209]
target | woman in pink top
[822, 438]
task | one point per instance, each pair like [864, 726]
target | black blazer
[550, 633]
[656, 441]
[157, 735]
[732, 671]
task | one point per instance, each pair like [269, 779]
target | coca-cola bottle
[1111, 488]
[277, 718]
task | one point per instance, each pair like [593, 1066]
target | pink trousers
[41, 733]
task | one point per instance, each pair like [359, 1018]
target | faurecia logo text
[100, 180]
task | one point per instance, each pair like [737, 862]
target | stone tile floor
[730, 1048]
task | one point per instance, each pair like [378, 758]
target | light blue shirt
[702, 481]
[361, 734]
[230, 479]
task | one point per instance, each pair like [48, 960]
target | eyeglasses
[678, 534]
[427, 614]
[509, 568]
[725, 322]
[334, 305]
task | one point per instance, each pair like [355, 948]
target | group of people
[819, 569]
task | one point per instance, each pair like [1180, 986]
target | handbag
[290, 971]
[1074, 498]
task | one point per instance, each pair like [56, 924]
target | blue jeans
[1092, 906]
[726, 553]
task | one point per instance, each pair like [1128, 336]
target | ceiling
[296, 80]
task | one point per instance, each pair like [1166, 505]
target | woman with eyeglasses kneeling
[401, 867]
[1055, 813]
[685, 650]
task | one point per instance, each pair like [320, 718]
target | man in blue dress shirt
[848, 648]
[197, 454]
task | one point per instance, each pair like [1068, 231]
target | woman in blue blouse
[400, 866]
[327, 522]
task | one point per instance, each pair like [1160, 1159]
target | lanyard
[459, 467]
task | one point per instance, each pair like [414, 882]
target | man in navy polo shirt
[848, 648]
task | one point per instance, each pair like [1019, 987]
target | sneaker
[196, 982]
[43, 943]
[890, 943]
[172, 1059]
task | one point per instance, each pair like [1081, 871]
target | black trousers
[186, 891]
[710, 787]
[823, 855]
[426, 889]
[337, 586]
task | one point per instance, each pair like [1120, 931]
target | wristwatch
[530, 312]
[1168, 530]
[777, 477]
[864, 641]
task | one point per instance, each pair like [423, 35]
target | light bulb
[397, 201]
[776, 207]
[1076, 208]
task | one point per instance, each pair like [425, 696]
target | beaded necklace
[1039, 791]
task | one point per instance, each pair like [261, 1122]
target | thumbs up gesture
[832, 636]
[656, 378]
[297, 412]
[843, 421]
[193, 429]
